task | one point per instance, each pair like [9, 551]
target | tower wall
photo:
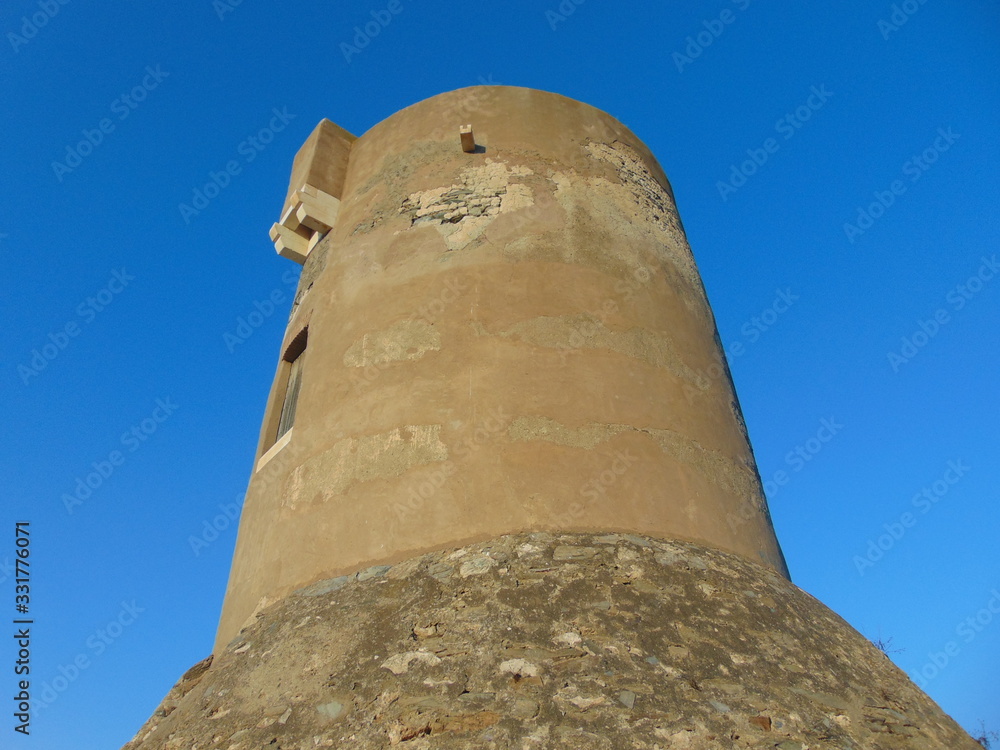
[513, 339]
[517, 506]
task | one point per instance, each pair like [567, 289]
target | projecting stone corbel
[313, 199]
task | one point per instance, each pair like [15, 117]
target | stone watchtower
[504, 495]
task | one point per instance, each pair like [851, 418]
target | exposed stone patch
[462, 212]
[405, 340]
[640, 193]
[568, 552]
[476, 566]
[415, 659]
[400, 663]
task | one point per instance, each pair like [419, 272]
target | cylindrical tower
[504, 497]
[504, 337]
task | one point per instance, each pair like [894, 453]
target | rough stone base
[552, 641]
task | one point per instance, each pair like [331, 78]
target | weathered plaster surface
[545, 277]
[407, 339]
[361, 459]
[738, 479]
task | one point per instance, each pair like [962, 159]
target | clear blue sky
[134, 301]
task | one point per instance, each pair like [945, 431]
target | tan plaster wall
[509, 340]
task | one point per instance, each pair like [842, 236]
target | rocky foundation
[551, 641]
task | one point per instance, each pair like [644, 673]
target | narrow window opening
[291, 398]
[294, 356]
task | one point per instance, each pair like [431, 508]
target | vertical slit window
[294, 357]
[291, 397]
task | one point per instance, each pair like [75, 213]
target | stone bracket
[311, 214]
[468, 138]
